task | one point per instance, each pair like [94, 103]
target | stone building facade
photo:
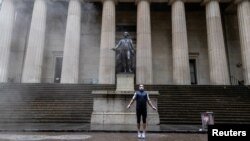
[178, 42]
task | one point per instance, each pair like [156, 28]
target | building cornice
[136, 1]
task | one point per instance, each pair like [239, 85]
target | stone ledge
[110, 92]
[110, 107]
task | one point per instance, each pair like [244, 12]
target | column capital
[204, 2]
[71, 0]
[116, 1]
[170, 2]
[77, 0]
[41, 0]
[136, 1]
[239, 1]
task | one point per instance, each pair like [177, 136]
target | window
[58, 69]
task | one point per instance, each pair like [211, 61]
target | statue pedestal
[110, 107]
[125, 82]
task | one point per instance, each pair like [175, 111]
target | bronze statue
[125, 54]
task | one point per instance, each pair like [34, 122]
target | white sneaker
[143, 135]
[139, 135]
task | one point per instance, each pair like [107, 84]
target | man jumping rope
[142, 98]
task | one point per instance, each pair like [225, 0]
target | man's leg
[144, 127]
[138, 115]
[138, 127]
[144, 119]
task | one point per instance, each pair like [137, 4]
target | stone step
[51, 103]
[227, 103]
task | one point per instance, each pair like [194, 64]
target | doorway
[58, 69]
[193, 71]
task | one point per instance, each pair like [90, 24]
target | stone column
[70, 66]
[181, 71]
[7, 15]
[32, 70]
[219, 74]
[243, 8]
[107, 56]
[144, 74]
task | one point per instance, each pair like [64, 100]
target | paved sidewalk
[89, 136]
[81, 127]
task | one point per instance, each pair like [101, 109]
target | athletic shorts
[141, 113]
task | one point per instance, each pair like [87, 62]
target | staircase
[184, 104]
[47, 103]
[73, 103]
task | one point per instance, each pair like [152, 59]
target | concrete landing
[45, 136]
[81, 127]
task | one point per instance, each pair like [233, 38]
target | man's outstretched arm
[131, 101]
[150, 103]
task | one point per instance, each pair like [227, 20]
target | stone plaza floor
[98, 136]
[89, 132]
[76, 127]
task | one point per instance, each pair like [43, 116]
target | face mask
[141, 90]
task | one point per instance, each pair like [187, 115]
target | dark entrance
[193, 72]
[58, 70]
